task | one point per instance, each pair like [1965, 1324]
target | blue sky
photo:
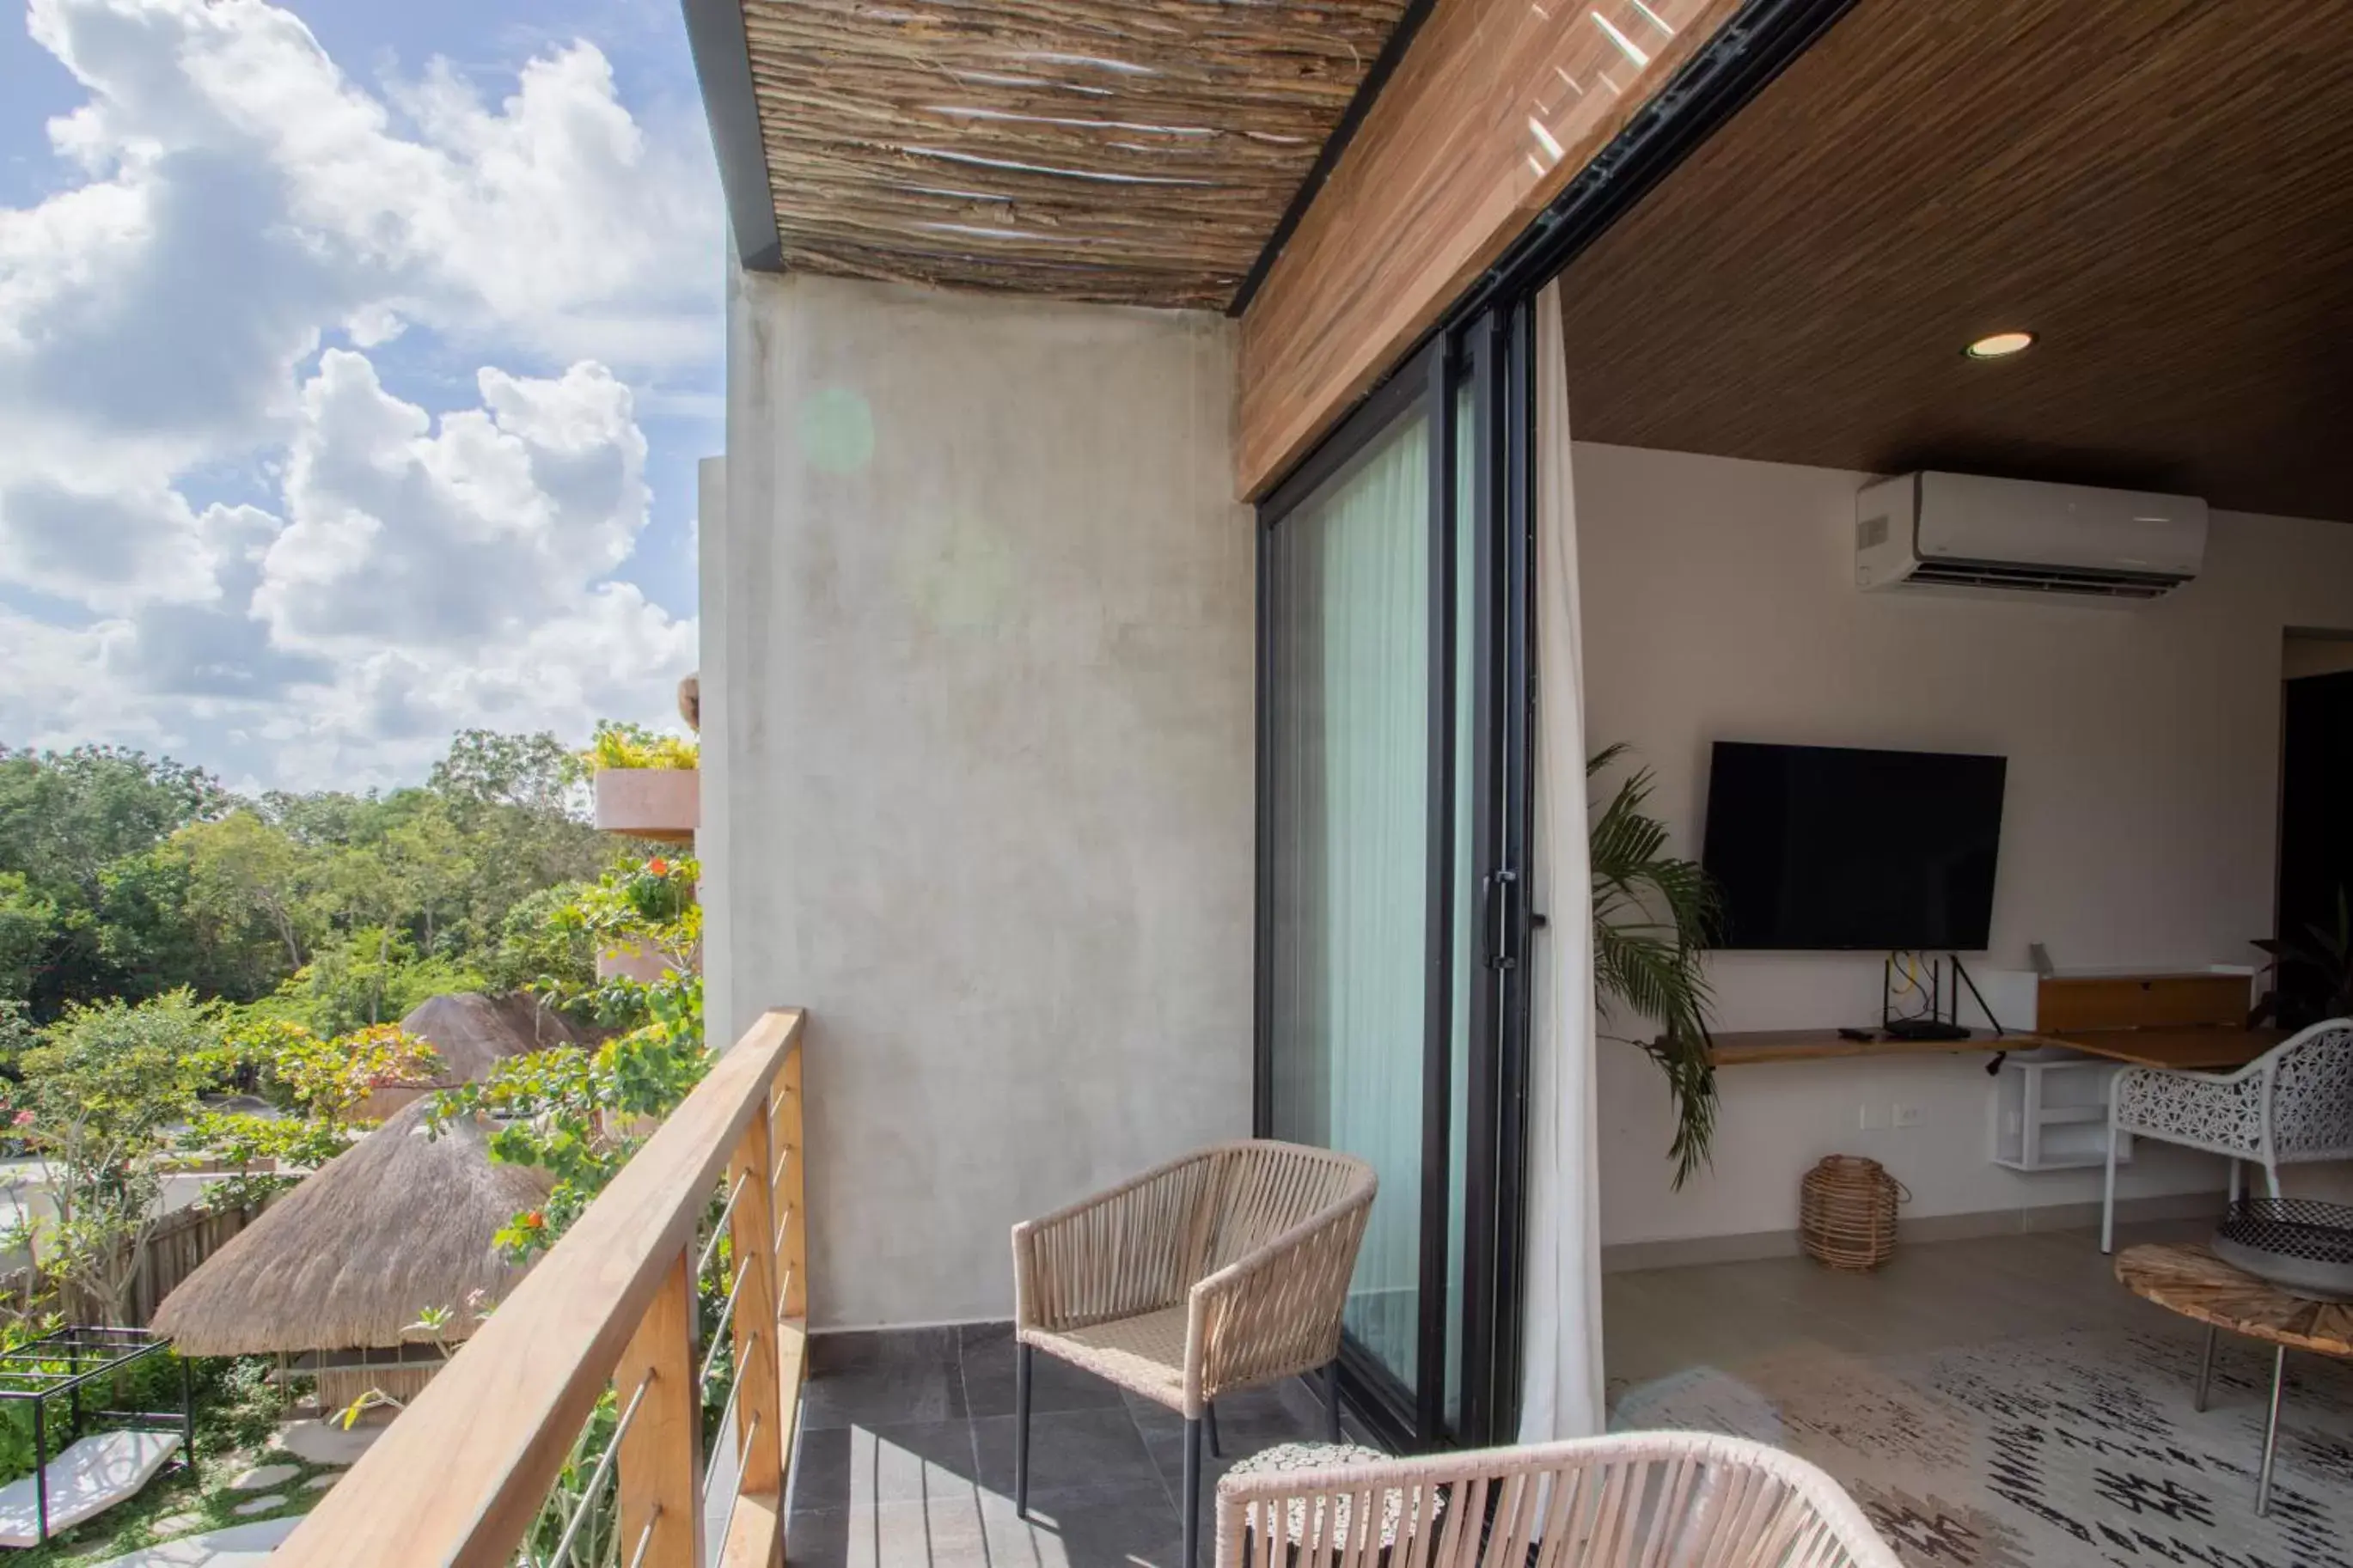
[354, 360]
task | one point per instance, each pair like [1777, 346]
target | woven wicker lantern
[1846, 1212]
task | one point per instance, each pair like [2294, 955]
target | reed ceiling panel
[2161, 189]
[1134, 152]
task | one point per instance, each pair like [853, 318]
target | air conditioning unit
[1962, 531]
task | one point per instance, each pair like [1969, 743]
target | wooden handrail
[461, 1475]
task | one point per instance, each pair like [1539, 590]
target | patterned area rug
[2076, 1449]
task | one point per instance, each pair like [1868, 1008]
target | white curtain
[1561, 1324]
[1349, 668]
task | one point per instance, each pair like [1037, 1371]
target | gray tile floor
[906, 1457]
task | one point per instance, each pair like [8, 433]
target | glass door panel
[1348, 742]
[1392, 940]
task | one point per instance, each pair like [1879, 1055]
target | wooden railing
[464, 1474]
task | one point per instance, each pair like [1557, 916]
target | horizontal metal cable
[718, 1228]
[783, 1158]
[597, 1476]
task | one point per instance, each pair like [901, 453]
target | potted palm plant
[2312, 975]
[1654, 914]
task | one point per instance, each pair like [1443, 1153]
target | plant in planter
[645, 783]
[1653, 916]
[2312, 975]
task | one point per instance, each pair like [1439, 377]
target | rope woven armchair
[2293, 1104]
[1689, 1500]
[1219, 1271]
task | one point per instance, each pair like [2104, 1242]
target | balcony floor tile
[906, 1459]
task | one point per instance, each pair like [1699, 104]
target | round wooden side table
[2187, 1279]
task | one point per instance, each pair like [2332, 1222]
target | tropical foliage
[100, 1097]
[1653, 917]
[619, 745]
[579, 1114]
[125, 877]
[168, 945]
[2312, 973]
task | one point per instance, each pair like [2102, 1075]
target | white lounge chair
[2293, 1103]
[91, 1477]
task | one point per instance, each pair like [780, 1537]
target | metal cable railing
[467, 1474]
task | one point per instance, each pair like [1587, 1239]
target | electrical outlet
[1906, 1115]
[1874, 1119]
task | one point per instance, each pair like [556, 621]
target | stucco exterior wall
[976, 657]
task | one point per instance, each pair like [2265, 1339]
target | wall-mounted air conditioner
[1962, 531]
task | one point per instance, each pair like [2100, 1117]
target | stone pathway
[327, 1442]
[262, 1478]
[239, 1546]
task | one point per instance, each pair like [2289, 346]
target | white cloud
[240, 203]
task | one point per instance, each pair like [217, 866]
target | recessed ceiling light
[2000, 345]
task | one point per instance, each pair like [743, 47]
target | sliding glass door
[1349, 655]
[1385, 945]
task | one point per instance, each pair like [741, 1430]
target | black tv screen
[1823, 847]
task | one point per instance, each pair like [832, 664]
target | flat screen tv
[1824, 847]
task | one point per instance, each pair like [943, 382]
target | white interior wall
[984, 650]
[2140, 826]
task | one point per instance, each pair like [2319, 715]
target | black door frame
[1490, 356]
[1487, 337]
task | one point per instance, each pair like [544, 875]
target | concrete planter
[665, 804]
[635, 960]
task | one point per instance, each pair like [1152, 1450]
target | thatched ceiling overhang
[1134, 152]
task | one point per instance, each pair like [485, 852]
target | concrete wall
[2139, 826]
[977, 646]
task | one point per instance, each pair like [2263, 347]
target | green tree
[28, 925]
[66, 817]
[371, 975]
[99, 1102]
[534, 772]
[244, 871]
[535, 952]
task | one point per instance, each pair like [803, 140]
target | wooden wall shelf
[1823, 1044]
[2208, 1050]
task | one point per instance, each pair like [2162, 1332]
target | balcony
[572, 1428]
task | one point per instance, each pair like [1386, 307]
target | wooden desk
[2200, 1049]
[2206, 1049]
[1822, 1044]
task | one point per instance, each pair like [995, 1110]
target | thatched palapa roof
[472, 1033]
[1135, 151]
[397, 1223]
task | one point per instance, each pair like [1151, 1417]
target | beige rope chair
[1672, 1499]
[1222, 1270]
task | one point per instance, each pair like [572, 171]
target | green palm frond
[1653, 916]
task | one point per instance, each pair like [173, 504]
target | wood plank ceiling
[1135, 151]
[2161, 189]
